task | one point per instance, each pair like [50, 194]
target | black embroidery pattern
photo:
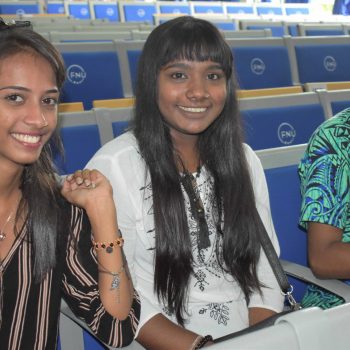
[219, 312]
[207, 270]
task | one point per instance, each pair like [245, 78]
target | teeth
[193, 109]
[26, 138]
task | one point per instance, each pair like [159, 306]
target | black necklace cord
[197, 209]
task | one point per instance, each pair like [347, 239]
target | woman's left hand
[86, 188]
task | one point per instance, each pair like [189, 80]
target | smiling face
[28, 107]
[191, 95]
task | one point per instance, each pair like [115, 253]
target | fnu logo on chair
[257, 66]
[330, 63]
[76, 74]
[286, 133]
[141, 13]
[110, 11]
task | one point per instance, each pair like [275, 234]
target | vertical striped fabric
[30, 311]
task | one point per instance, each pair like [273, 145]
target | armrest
[305, 274]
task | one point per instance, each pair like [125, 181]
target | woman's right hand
[87, 188]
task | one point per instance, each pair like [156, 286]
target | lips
[193, 109]
[25, 138]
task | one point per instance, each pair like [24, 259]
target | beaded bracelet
[194, 344]
[109, 246]
[203, 341]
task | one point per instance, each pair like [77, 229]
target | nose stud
[44, 119]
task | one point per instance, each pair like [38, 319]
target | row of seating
[279, 26]
[109, 34]
[308, 26]
[143, 11]
[260, 63]
[270, 121]
[250, 29]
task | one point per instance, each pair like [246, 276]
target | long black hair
[41, 199]
[221, 151]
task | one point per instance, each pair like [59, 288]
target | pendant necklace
[2, 230]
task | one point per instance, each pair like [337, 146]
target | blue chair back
[277, 121]
[18, 8]
[297, 10]
[175, 8]
[81, 139]
[280, 165]
[269, 10]
[262, 63]
[320, 59]
[108, 11]
[93, 72]
[79, 10]
[55, 7]
[239, 9]
[338, 100]
[138, 12]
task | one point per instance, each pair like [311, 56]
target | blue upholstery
[119, 127]
[283, 184]
[338, 106]
[139, 12]
[262, 67]
[80, 144]
[292, 29]
[133, 58]
[175, 8]
[240, 9]
[91, 343]
[324, 32]
[55, 7]
[277, 31]
[208, 9]
[106, 11]
[268, 10]
[91, 76]
[297, 11]
[281, 126]
[18, 8]
[320, 63]
[81, 11]
[225, 25]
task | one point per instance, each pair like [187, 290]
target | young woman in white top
[187, 189]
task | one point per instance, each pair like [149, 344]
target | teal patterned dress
[325, 188]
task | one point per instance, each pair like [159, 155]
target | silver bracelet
[116, 279]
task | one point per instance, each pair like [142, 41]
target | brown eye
[178, 75]
[14, 98]
[50, 101]
[214, 76]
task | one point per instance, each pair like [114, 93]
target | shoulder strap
[273, 258]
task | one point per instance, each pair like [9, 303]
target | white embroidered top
[216, 304]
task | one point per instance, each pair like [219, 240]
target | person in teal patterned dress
[325, 211]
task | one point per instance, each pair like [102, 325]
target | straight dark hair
[221, 151]
[41, 198]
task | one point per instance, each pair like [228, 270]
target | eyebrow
[186, 65]
[21, 88]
